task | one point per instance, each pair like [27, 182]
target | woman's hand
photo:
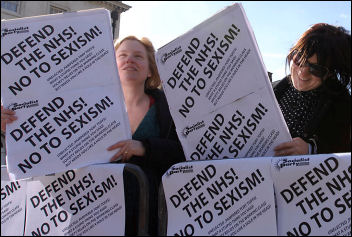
[7, 116]
[128, 149]
[296, 147]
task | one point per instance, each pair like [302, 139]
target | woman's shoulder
[280, 86]
[156, 93]
[280, 83]
[160, 98]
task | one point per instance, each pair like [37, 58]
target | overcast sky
[276, 25]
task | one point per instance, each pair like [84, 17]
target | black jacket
[331, 125]
[162, 152]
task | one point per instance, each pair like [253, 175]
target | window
[54, 10]
[10, 5]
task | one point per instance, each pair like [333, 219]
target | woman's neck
[134, 96]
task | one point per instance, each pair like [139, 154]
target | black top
[298, 109]
[317, 114]
[164, 151]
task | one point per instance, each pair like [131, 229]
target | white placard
[222, 197]
[59, 74]
[87, 201]
[13, 205]
[313, 194]
[209, 68]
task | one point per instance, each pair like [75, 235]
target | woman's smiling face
[302, 78]
[132, 62]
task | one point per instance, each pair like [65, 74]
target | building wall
[35, 8]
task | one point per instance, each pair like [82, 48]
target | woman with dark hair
[315, 98]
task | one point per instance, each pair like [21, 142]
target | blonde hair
[154, 81]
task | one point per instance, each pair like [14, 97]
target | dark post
[115, 17]
[270, 74]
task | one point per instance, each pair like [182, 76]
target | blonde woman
[154, 145]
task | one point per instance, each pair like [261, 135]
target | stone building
[16, 9]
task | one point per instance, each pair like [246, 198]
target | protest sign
[212, 70]
[313, 194]
[13, 205]
[59, 75]
[86, 201]
[222, 197]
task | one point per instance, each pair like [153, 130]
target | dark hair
[154, 81]
[332, 45]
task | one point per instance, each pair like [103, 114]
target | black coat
[165, 151]
[161, 153]
[331, 125]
